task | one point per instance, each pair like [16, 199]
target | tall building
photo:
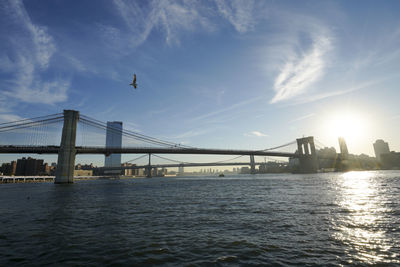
[113, 139]
[344, 152]
[380, 147]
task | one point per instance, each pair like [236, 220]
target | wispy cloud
[240, 13]
[9, 117]
[255, 133]
[229, 108]
[131, 126]
[26, 62]
[320, 96]
[303, 69]
[192, 133]
[302, 118]
[171, 17]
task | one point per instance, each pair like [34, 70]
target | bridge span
[141, 150]
[67, 150]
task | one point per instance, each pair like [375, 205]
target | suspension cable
[129, 134]
[30, 124]
[193, 162]
[135, 134]
[284, 145]
[177, 161]
[139, 135]
[32, 119]
[116, 130]
[135, 159]
[320, 143]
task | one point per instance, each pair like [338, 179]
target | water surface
[351, 218]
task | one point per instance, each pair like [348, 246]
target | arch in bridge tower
[66, 154]
[307, 155]
[252, 165]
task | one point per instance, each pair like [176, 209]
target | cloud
[171, 17]
[31, 89]
[229, 108]
[192, 133]
[240, 13]
[131, 126]
[27, 56]
[44, 44]
[9, 117]
[299, 73]
[303, 118]
[320, 96]
[255, 133]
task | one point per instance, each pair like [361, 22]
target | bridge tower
[181, 170]
[148, 168]
[66, 154]
[252, 165]
[307, 155]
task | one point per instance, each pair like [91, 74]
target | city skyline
[217, 74]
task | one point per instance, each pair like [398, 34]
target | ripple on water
[284, 220]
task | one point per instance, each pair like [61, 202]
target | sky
[213, 74]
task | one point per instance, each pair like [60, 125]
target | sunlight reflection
[360, 217]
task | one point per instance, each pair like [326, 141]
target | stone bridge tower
[66, 154]
[307, 155]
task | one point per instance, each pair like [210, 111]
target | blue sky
[223, 74]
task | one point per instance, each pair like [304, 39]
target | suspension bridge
[40, 135]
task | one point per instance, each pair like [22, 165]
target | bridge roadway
[141, 150]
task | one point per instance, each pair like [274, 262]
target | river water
[321, 219]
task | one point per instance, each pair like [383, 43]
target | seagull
[134, 81]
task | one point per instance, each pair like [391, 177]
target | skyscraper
[343, 148]
[380, 147]
[113, 139]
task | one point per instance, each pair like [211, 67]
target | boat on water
[221, 175]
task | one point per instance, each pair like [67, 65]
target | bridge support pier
[307, 155]
[66, 154]
[252, 165]
[148, 169]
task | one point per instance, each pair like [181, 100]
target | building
[381, 147]
[273, 167]
[129, 172]
[390, 160]
[30, 167]
[84, 167]
[327, 158]
[344, 152]
[245, 170]
[113, 139]
[9, 168]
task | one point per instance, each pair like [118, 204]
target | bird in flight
[134, 84]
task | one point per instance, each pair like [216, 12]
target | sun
[348, 124]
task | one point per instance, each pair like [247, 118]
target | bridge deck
[141, 150]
